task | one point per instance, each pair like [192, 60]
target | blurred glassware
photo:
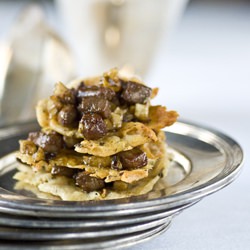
[5, 58]
[122, 33]
[33, 58]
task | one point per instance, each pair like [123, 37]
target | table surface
[203, 72]
[205, 75]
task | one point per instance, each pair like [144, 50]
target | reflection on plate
[204, 161]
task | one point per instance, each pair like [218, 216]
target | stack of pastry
[100, 138]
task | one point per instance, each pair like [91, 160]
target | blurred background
[197, 52]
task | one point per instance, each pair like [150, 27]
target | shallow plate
[204, 161]
[26, 234]
[19, 221]
[99, 243]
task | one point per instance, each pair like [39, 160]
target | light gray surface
[204, 74]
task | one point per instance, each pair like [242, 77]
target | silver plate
[205, 161]
[99, 243]
[27, 234]
[18, 221]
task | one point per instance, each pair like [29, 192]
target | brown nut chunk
[88, 183]
[51, 142]
[67, 116]
[95, 91]
[132, 159]
[92, 126]
[69, 97]
[135, 93]
[62, 171]
[95, 105]
[65, 95]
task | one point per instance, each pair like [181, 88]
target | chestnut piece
[133, 159]
[88, 183]
[92, 126]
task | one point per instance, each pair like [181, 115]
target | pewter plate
[204, 161]
[27, 234]
[18, 221]
[99, 243]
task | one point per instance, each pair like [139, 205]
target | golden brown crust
[42, 113]
[160, 117]
[131, 124]
[135, 182]
[130, 135]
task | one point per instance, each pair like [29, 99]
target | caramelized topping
[135, 93]
[95, 91]
[63, 171]
[97, 105]
[68, 97]
[118, 110]
[67, 116]
[132, 159]
[52, 142]
[92, 126]
[88, 183]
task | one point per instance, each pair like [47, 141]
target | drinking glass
[117, 33]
